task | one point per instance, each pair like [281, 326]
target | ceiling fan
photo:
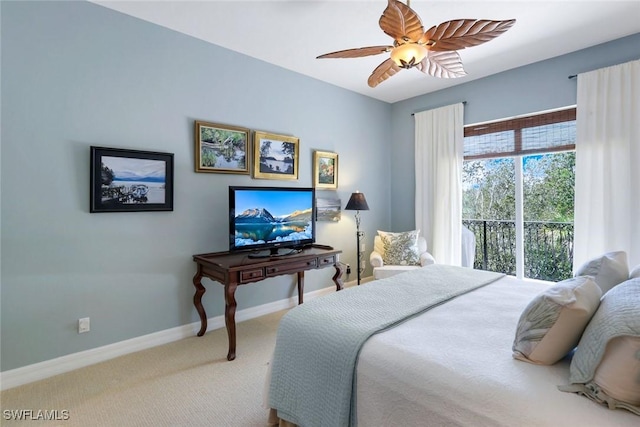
[433, 52]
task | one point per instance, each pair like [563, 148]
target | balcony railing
[548, 248]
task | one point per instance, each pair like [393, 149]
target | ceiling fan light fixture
[433, 52]
[408, 55]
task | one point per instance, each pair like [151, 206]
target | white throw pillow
[400, 248]
[552, 323]
[608, 270]
[635, 273]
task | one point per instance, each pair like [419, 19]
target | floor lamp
[358, 203]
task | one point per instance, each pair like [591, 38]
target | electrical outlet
[348, 269]
[84, 325]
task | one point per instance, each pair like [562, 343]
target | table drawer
[292, 267]
[328, 260]
[251, 275]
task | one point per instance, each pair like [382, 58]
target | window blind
[540, 133]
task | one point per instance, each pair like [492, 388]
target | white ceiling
[291, 33]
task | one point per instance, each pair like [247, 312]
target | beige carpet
[184, 383]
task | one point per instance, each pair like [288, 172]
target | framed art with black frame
[130, 180]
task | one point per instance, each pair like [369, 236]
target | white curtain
[607, 188]
[439, 137]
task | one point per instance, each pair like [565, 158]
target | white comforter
[452, 366]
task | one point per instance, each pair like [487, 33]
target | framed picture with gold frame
[325, 170]
[221, 148]
[275, 156]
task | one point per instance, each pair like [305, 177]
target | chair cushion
[400, 248]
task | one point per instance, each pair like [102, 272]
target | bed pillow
[552, 323]
[608, 270]
[618, 375]
[400, 248]
[635, 273]
[606, 364]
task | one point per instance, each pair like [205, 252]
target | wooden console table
[234, 269]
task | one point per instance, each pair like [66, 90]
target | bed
[447, 365]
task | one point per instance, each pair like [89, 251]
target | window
[518, 179]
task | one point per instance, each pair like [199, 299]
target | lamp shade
[357, 202]
[408, 55]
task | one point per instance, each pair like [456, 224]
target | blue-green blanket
[318, 342]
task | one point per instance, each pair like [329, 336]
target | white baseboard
[60, 365]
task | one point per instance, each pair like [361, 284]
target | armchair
[382, 270]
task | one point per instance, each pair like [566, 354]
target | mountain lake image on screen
[267, 217]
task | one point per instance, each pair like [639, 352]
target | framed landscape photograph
[328, 209]
[221, 148]
[130, 180]
[325, 170]
[275, 156]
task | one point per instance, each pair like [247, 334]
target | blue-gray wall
[75, 74]
[537, 87]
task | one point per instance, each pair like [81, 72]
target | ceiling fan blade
[447, 65]
[385, 70]
[357, 53]
[400, 22]
[462, 33]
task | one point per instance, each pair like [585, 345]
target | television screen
[271, 218]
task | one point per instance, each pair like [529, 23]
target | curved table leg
[230, 317]
[337, 278]
[197, 301]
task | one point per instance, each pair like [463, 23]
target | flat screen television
[268, 219]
